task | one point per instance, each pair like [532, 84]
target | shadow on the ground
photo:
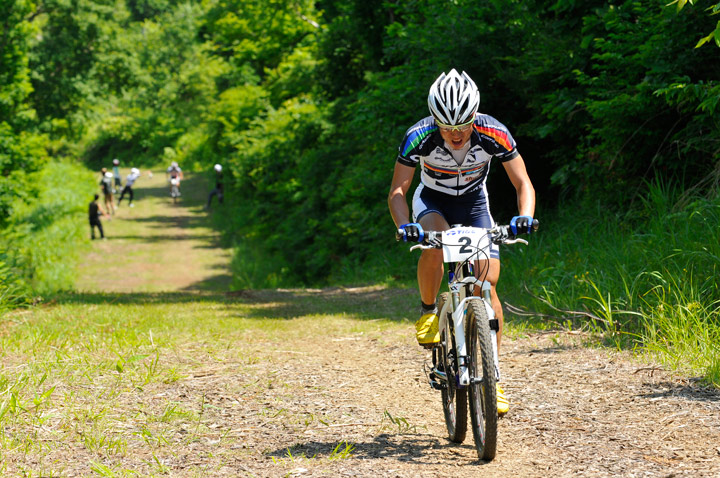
[361, 302]
[163, 228]
[282, 304]
[124, 298]
[407, 448]
[691, 390]
[210, 241]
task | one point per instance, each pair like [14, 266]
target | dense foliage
[305, 103]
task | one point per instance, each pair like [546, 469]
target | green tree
[21, 149]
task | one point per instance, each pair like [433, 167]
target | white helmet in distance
[454, 99]
[218, 168]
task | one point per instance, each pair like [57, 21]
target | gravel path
[575, 411]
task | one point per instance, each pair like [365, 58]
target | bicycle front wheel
[454, 400]
[483, 392]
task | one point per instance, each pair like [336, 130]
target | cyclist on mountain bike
[174, 175]
[454, 147]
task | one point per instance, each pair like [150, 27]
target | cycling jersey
[174, 171]
[424, 145]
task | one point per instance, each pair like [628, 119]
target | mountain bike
[465, 361]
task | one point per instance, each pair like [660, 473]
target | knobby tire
[483, 394]
[454, 400]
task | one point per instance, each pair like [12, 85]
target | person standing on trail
[453, 147]
[116, 174]
[129, 181]
[218, 191]
[106, 186]
[94, 213]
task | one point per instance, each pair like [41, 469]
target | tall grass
[13, 291]
[44, 234]
[646, 279]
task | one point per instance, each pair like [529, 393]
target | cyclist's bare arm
[519, 178]
[397, 198]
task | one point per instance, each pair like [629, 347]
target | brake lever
[516, 240]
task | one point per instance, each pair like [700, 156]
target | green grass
[646, 280]
[43, 235]
[111, 380]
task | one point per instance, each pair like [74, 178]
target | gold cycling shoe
[503, 404]
[426, 330]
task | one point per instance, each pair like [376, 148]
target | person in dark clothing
[218, 191]
[95, 210]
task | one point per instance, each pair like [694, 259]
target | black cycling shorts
[467, 210]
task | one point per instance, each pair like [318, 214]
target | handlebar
[500, 234]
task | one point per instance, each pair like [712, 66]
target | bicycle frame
[460, 239]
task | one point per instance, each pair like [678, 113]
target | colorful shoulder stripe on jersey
[498, 135]
[416, 137]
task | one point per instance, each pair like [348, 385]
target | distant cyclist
[174, 175]
[453, 148]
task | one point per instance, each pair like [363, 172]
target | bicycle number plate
[463, 243]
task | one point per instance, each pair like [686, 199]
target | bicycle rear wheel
[483, 392]
[454, 400]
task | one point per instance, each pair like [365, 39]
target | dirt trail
[352, 404]
[158, 245]
[575, 411]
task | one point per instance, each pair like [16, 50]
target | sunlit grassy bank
[647, 279]
[45, 234]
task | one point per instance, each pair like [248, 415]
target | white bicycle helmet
[454, 99]
[218, 168]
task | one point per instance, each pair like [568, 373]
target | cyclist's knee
[433, 222]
